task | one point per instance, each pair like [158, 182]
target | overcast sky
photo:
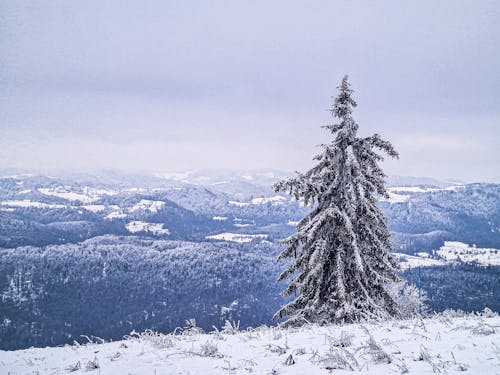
[175, 85]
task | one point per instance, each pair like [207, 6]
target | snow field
[235, 237]
[142, 226]
[446, 343]
[453, 251]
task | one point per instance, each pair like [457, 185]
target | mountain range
[103, 254]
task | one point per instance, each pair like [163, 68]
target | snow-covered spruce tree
[341, 269]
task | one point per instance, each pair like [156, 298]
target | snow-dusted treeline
[110, 285]
[38, 210]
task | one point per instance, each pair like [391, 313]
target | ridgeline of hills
[39, 210]
[105, 254]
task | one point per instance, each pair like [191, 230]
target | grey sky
[174, 85]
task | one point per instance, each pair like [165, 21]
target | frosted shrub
[488, 313]
[410, 301]
[190, 329]
[156, 339]
[209, 349]
[339, 359]
[374, 350]
[483, 329]
[289, 361]
[343, 341]
[231, 328]
[451, 313]
[73, 368]
[92, 365]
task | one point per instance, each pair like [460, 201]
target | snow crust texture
[451, 342]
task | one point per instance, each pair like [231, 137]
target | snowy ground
[453, 251]
[235, 237]
[446, 343]
[412, 261]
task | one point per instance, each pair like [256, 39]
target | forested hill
[40, 210]
[111, 285]
[104, 256]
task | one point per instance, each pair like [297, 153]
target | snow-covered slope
[451, 252]
[411, 261]
[142, 226]
[234, 237]
[446, 343]
[458, 251]
[422, 212]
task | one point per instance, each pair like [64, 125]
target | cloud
[437, 143]
[231, 84]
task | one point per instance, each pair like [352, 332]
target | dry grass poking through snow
[452, 342]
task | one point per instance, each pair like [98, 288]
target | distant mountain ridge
[422, 212]
[145, 251]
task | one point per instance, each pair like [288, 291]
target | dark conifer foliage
[341, 267]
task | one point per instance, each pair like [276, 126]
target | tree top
[344, 103]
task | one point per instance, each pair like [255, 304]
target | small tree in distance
[341, 268]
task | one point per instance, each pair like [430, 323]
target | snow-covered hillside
[451, 252]
[41, 210]
[233, 237]
[446, 343]
[458, 251]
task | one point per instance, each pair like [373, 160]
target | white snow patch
[440, 344]
[293, 223]
[28, 203]
[148, 205]
[455, 188]
[219, 183]
[142, 226]
[236, 237]
[85, 194]
[410, 261]
[136, 190]
[24, 191]
[239, 204]
[395, 198]
[94, 207]
[418, 189]
[276, 200]
[17, 176]
[116, 215]
[453, 250]
[219, 218]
